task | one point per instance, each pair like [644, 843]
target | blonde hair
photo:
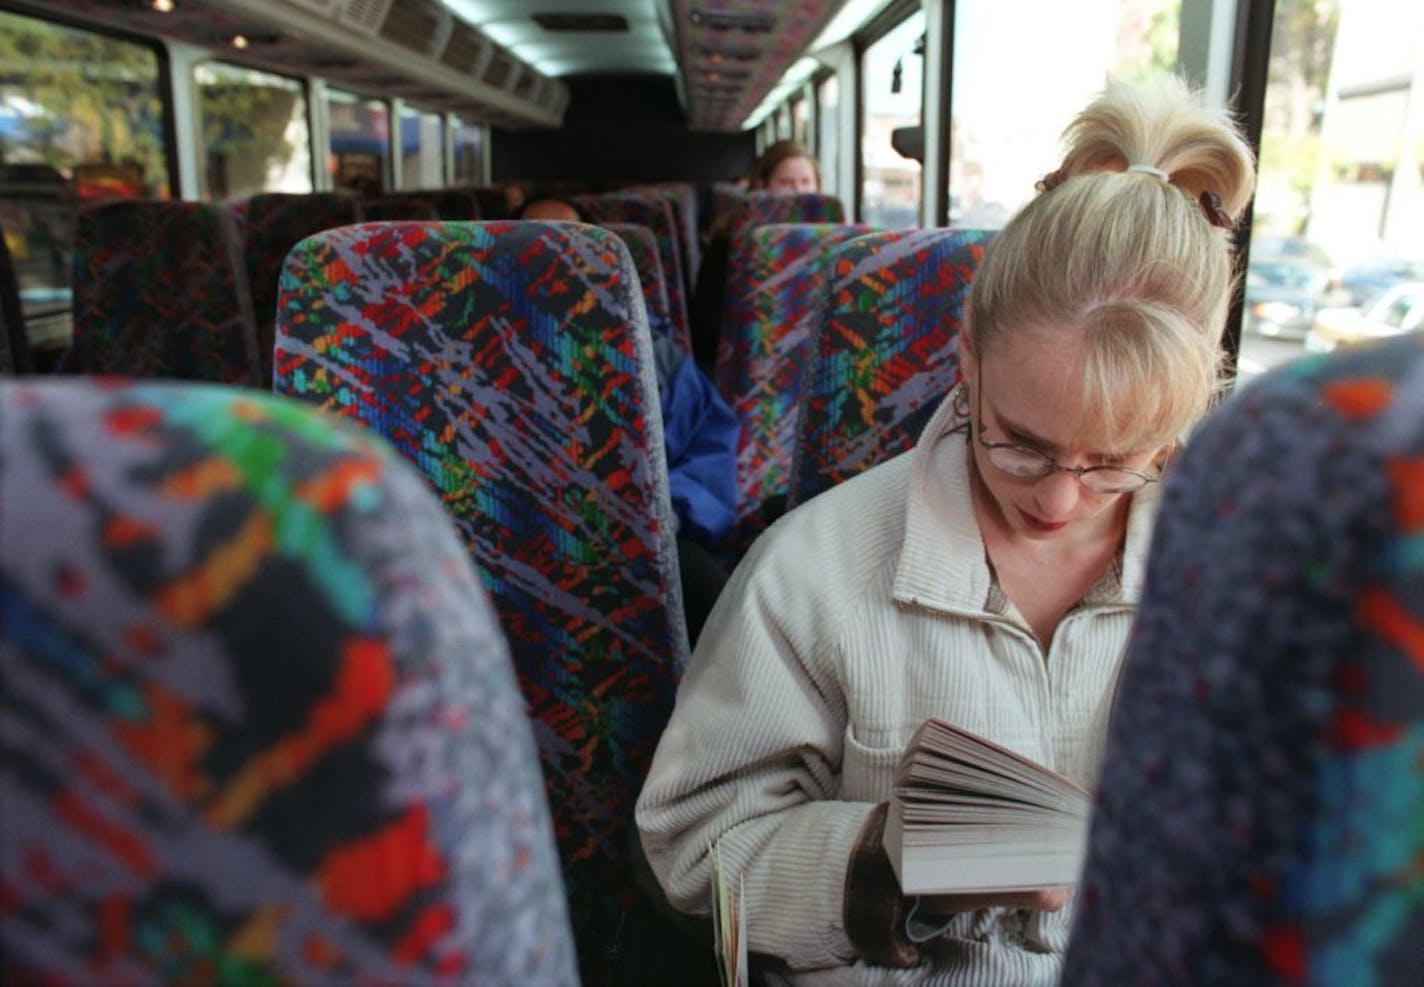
[1133, 259]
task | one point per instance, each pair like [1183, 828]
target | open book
[971, 816]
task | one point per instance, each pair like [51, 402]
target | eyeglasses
[1030, 464]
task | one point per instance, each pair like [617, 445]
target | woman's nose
[1056, 496]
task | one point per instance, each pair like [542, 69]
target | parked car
[1283, 293]
[1367, 280]
[1399, 310]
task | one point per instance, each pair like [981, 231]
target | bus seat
[159, 290]
[1260, 814]
[276, 221]
[511, 362]
[722, 272]
[884, 351]
[682, 197]
[260, 723]
[772, 305]
[15, 354]
[657, 215]
[764, 208]
[643, 250]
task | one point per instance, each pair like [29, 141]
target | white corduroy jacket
[850, 621]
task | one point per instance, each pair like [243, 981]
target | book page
[971, 815]
[729, 925]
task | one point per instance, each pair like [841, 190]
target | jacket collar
[942, 562]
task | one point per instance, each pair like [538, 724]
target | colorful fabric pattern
[775, 287]
[657, 215]
[765, 208]
[885, 351]
[1260, 818]
[643, 251]
[135, 310]
[276, 221]
[259, 723]
[682, 197]
[512, 363]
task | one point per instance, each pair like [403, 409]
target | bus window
[828, 97]
[469, 144]
[255, 134]
[892, 71]
[801, 122]
[1339, 212]
[1003, 127]
[81, 118]
[422, 149]
[360, 143]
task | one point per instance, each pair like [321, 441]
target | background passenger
[784, 167]
[988, 577]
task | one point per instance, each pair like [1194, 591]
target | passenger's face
[1032, 397]
[794, 175]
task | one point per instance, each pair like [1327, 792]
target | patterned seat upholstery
[682, 197]
[260, 725]
[512, 362]
[884, 352]
[1260, 818]
[656, 214]
[765, 208]
[159, 291]
[275, 222]
[643, 251]
[774, 294]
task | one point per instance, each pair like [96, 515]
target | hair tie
[1217, 216]
[1052, 180]
[1149, 170]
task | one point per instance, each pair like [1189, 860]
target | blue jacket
[700, 433]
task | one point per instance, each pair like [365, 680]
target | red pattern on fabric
[373, 877]
[1378, 610]
[124, 844]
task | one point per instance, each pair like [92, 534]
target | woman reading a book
[988, 577]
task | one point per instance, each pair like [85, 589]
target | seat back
[775, 289]
[643, 251]
[1259, 813]
[682, 197]
[511, 361]
[260, 722]
[884, 352]
[656, 214]
[159, 290]
[765, 208]
[275, 222]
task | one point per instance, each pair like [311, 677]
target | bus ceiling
[499, 62]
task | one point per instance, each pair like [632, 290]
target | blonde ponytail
[1125, 245]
